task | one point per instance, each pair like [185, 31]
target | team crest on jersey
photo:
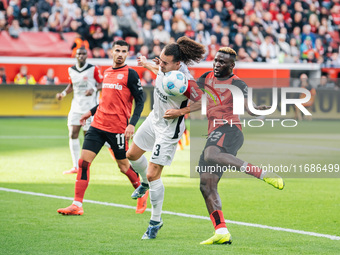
[120, 76]
[85, 78]
[105, 75]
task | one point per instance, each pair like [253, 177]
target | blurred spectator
[156, 52]
[85, 7]
[146, 33]
[127, 8]
[16, 7]
[243, 56]
[124, 25]
[25, 20]
[269, 50]
[67, 20]
[49, 78]
[89, 17]
[167, 21]
[2, 75]
[2, 6]
[297, 20]
[15, 29]
[149, 17]
[23, 78]
[222, 12]
[98, 53]
[144, 51]
[140, 8]
[283, 45]
[306, 47]
[44, 11]
[57, 6]
[55, 21]
[99, 7]
[96, 34]
[9, 15]
[160, 34]
[189, 32]
[304, 83]
[147, 79]
[238, 42]
[326, 83]
[255, 35]
[2, 22]
[256, 57]
[79, 42]
[71, 7]
[113, 28]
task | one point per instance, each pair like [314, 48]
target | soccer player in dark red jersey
[111, 124]
[224, 140]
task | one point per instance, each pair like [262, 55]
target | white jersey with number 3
[172, 128]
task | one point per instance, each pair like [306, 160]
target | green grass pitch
[34, 153]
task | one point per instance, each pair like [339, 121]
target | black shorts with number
[229, 139]
[95, 139]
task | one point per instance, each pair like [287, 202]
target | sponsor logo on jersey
[163, 97]
[105, 75]
[120, 76]
[112, 86]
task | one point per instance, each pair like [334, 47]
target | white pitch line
[33, 136]
[178, 214]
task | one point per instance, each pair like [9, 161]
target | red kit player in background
[111, 124]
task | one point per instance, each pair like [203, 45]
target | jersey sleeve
[98, 74]
[242, 86]
[136, 89]
[201, 80]
[193, 92]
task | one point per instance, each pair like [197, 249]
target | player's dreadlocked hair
[228, 50]
[185, 50]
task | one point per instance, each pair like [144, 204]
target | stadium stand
[275, 31]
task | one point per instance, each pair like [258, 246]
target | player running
[164, 126]
[111, 124]
[224, 141]
[83, 78]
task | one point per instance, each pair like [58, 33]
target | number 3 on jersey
[158, 147]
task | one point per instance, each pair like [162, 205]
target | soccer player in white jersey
[164, 126]
[83, 80]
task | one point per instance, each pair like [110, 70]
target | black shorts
[95, 139]
[229, 139]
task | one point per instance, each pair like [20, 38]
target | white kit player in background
[164, 126]
[84, 80]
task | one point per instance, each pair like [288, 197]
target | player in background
[224, 140]
[83, 78]
[111, 124]
[164, 126]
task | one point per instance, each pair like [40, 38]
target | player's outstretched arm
[142, 61]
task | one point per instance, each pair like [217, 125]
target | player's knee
[74, 135]
[131, 156]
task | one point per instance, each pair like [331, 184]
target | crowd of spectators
[276, 31]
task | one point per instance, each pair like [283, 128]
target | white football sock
[77, 203]
[140, 166]
[75, 151]
[156, 199]
[222, 231]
